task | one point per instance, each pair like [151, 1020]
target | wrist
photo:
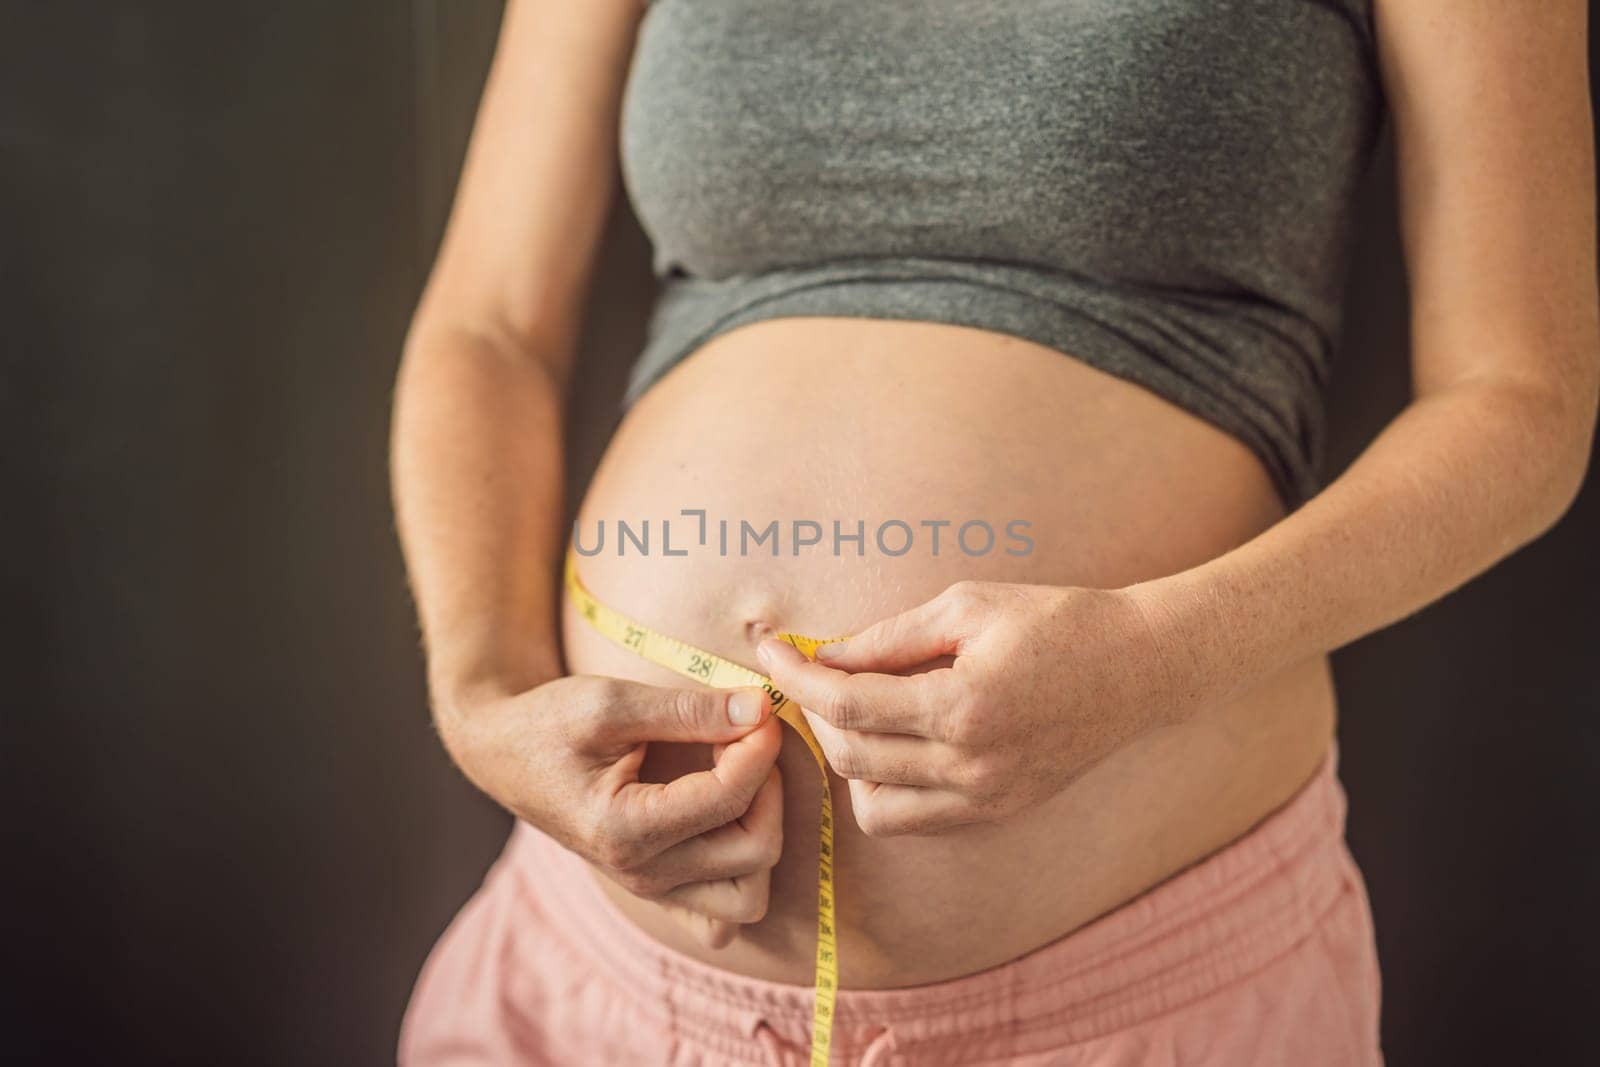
[461, 682]
[484, 729]
[456, 691]
[1185, 638]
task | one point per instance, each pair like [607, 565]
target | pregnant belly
[953, 453]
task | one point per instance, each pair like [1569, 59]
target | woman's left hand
[1044, 683]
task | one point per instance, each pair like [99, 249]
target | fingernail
[744, 708]
[764, 652]
[831, 650]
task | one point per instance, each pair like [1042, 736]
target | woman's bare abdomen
[788, 426]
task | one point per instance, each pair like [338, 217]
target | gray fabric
[1160, 188]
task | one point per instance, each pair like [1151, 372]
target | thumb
[897, 643]
[716, 716]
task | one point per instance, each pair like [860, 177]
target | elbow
[442, 343]
[1535, 439]
[440, 346]
[1568, 480]
[526, 333]
[1563, 458]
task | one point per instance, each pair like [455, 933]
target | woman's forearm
[476, 454]
[1459, 480]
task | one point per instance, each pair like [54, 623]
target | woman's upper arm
[538, 179]
[1495, 156]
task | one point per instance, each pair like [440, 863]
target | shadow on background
[229, 833]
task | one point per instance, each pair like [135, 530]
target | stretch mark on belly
[712, 670]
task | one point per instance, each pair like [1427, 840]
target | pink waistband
[1211, 924]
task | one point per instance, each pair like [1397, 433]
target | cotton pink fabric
[1261, 954]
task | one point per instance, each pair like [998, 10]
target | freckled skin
[1496, 195]
[943, 422]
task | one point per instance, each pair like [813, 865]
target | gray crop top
[1160, 188]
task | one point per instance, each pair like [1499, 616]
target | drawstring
[879, 1049]
[876, 1054]
[769, 1043]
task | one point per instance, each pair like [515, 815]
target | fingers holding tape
[898, 759]
[657, 815]
[751, 843]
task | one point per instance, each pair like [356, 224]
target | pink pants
[1261, 954]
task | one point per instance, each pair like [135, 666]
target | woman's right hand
[565, 756]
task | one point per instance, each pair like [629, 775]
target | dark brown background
[229, 834]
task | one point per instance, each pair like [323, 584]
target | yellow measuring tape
[712, 670]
